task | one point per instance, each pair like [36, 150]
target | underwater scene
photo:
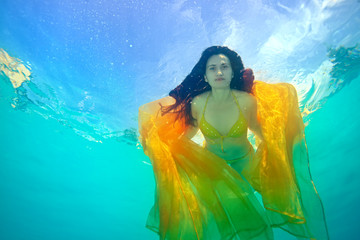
[74, 73]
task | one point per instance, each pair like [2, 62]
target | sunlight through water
[73, 74]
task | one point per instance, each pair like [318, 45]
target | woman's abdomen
[233, 148]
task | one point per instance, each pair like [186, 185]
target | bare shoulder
[198, 101]
[245, 99]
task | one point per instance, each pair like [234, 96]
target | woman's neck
[220, 95]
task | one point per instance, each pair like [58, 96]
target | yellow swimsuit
[237, 130]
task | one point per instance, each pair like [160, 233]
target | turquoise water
[70, 163]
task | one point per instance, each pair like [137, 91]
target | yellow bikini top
[238, 129]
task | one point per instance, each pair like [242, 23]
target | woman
[208, 192]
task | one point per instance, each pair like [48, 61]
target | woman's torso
[225, 125]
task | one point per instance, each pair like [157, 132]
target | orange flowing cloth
[199, 196]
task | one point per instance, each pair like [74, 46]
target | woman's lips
[219, 79]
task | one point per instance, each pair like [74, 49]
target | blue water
[70, 163]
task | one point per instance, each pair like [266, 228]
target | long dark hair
[194, 83]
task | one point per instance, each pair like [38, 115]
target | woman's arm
[192, 130]
[254, 124]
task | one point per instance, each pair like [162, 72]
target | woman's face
[218, 71]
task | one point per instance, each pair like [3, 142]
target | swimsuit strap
[236, 101]
[207, 99]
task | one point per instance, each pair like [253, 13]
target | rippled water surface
[73, 73]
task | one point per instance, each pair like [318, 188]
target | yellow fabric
[199, 196]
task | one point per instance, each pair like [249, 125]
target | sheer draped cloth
[199, 196]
